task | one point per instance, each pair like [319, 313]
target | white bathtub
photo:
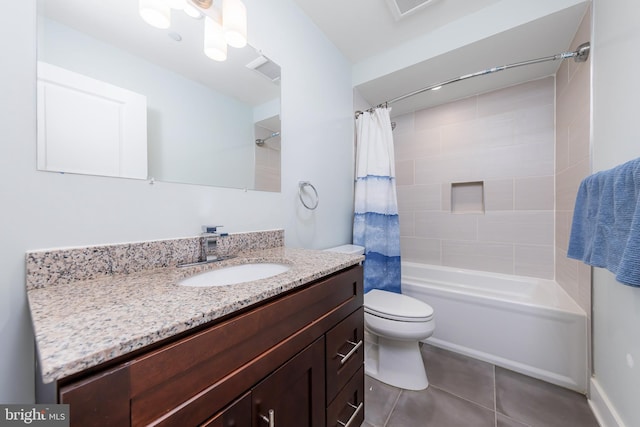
[528, 325]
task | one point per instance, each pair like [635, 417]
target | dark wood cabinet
[238, 414]
[294, 394]
[296, 354]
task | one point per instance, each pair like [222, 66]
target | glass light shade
[192, 11]
[176, 4]
[215, 45]
[234, 22]
[156, 13]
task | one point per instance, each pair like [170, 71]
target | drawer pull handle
[355, 348]
[270, 419]
[354, 415]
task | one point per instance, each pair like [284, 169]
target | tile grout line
[450, 393]
[495, 397]
[392, 409]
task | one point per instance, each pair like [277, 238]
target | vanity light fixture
[225, 21]
[192, 11]
[234, 22]
[215, 46]
[156, 13]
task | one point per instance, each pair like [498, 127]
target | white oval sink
[235, 274]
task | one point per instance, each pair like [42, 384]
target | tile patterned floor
[466, 392]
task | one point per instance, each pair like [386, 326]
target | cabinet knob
[270, 419]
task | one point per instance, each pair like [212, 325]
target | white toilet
[395, 324]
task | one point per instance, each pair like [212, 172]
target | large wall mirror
[118, 97]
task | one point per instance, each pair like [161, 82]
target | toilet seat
[394, 306]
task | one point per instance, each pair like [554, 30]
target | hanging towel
[606, 222]
[376, 225]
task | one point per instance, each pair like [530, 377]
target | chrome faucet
[209, 246]
[210, 243]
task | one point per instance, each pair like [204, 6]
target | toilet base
[397, 363]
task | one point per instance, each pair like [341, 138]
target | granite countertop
[82, 324]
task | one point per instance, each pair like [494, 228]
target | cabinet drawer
[100, 400]
[344, 352]
[347, 409]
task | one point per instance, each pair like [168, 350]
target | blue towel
[606, 222]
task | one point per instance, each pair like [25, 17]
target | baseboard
[602, 408]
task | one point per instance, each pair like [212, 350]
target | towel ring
[303, 184]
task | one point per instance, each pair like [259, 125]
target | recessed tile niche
[467, 197]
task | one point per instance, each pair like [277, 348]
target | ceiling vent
[402, 8]
[265, 67]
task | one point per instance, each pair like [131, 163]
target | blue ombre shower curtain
[375, 224]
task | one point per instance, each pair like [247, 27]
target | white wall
[616, 139]
[44, 210]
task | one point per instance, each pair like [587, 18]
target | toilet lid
[391, 305]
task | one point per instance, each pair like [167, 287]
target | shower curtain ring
[303, 184]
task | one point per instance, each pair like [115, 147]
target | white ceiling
[363, 28]
[445, 40]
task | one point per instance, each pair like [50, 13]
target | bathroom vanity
[290, 355]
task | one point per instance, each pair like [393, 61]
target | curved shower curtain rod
[581, 54]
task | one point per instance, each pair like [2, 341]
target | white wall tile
[407, 223]
[567, 273]
[567, 183]
[536, 193]
[405, 172]
[409, 146]
[446, 197]
[562, 146]
[498, 195]
[416, 249]
[578, 139]
[504, 139]
[534, 261]
[453, 112]
[517, 227]
[445, 225]
[404, 124]
[534, 121]
[495, 131]
[419, 198]
[563, 228]
[584, 287]
[536, 157]
[495, 163]
[573, 149]
[495, 257]
[517, 97]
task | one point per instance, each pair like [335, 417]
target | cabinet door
[238, 414]
[294, 392]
